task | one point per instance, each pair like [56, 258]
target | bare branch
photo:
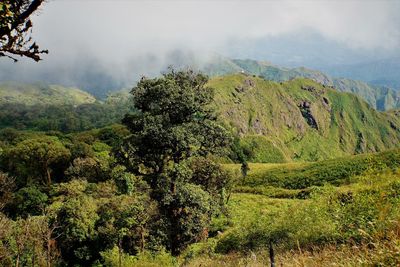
[15, 29]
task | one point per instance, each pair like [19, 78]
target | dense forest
[149, 185]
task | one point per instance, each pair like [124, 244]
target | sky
[122, 37]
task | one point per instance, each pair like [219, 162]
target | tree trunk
[48, 262]
[33, 257]
[271, 254]
[17, 261]
[142, 238]
[48, 172]
[119, 252]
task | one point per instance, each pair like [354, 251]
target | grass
[268, 112]
[304, 175]
[37, 93]
[356, 222]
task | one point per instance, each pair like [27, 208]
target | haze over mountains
[376, 83]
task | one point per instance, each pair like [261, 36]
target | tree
[15, 29]
[174, 122]
[29, 201]
[77, 219]
[124, 221]
[37, 157]
[7, 186]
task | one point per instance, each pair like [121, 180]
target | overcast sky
[117, 33]
[118, 28]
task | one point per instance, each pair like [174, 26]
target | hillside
[301, 119]
[379, 97]
[37, 93]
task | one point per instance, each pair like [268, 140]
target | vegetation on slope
[301, 119]
[64, 117]
[356, 222]
[33, 94]
[339, 171]
[276, 122]
[379, 97]
[79, 199]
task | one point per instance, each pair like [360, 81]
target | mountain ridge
[301, 119]
[379, 97]
[43, 94]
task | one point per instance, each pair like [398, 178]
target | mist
[107, 45]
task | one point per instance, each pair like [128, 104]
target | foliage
[174, 122]
[7, 186]
[29, 201]
[64, 118]
[358, 214]
[335, 171]
[27, 242]
[37, 158]
[123, 195]
[112, 258]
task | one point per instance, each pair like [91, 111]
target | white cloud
[127, 38]
[115, 28]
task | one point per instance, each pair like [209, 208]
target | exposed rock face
[325, 103]
[361, 144]
[240, 89]
[308, 88]
[393, 126]
[247, 83]
[305, 108]
[257, 126]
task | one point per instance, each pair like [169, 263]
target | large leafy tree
[15, 29]
[37, 158]
[174, 122]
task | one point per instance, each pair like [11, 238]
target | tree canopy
[173, 125]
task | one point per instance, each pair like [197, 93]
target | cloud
[129, 38]
[114, 28]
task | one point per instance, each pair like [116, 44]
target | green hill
[301, 119]
[38, 93]
[379, 97]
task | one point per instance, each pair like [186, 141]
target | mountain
[301, 119]
[379, 97]
[40, 93]
[384, 72]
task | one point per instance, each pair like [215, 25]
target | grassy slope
[356, 223]
[345, 124]
[31, 94]
[304, 175]
[381, 98]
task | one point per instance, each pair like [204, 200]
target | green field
[316, 228]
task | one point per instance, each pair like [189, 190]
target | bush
[114, 257]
